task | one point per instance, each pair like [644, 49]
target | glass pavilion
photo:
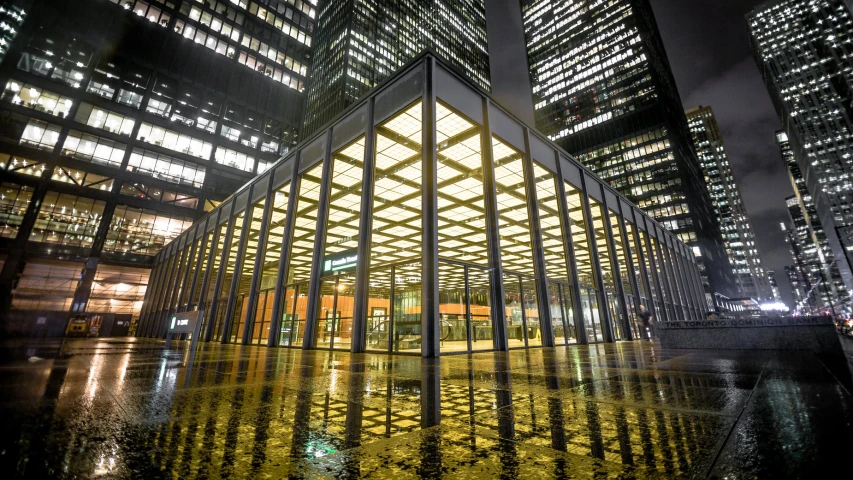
[378, 234]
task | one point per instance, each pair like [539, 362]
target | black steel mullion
[223, 256]
[199, 261]
[617, 273]
[546, 327]
[469, 324]
[490, 200]
[628, 245]
[571, 263]
[361, 290]
[603, 307]
[430, 326]
[238, 270]
[653, 262]
[260, 254]
[311, 318]
[286, 242]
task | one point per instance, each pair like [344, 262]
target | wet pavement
[120, 408]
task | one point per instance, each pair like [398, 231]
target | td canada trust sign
[750, 322]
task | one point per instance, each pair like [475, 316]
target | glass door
[522, 311]
[592, 318]
[293, 316]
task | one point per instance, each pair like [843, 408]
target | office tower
[774, 287]
[424, 220]
[123, 122]
[817, 256]
[738, 236]
[12, 14]
[803, 50]
[359, 43]
[798, 289]
[603, 90]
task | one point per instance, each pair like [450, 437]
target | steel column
[493, 235]
[319, 244]
[286, 241]
[362, 269]
[430, 325]
[545, 321]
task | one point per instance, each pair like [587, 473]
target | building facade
[798, 289]
[803, 49]
[603, 91]
[738, 237]
[125, 121]
[808, 241]
[359, 43]
[425, 220]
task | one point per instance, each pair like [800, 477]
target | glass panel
[559, 311]
[549, 220]
[514, 317]
[269, 265]
[461, 207]
[587, 276]
[608, 273]
[205, 265]
[452, 308]
[247, 268]
[619, 246]
[653, 287]
[666, 293]
[379, 309]
[396, 236]
[344, 303]
[531, 312]
[567, 300]
[513, 220]
[305, 226]
[482, 328]
[334, 316]
[215, 264]
[406, 325]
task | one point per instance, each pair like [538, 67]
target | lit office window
[67, 220]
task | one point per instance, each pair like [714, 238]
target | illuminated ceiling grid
[551, 226]
[345, 199]
[305, 225]
[513, 220]
[397, 189]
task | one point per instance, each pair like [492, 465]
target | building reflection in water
[250, 412]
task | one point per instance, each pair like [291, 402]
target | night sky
[707, 43]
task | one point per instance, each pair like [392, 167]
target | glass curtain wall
[464, 311]
[191, 269]
[269, 266]
[587, 276]
[620, 247]
[662, 278]
[516, 247]
[245, 271]
[196, 298]
[642, 296]
[335, 315]
[227, 275]
[608, 268]
[556, 266]
[654, 286]
[301, 256]
[394, 309]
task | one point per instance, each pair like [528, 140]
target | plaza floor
[120, 408]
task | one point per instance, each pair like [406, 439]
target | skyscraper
[803, 49]
[123, 121]
[603, 90]
[798, 289]
[738, 236]
[361, 42]
[812, 255]
[774, 287]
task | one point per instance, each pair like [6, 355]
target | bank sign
[340, 262]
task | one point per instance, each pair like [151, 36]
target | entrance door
[293, 318]
[522, 311]
[334, 316]
[591, 315]
[615, 309]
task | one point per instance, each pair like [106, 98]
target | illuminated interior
[490, 292]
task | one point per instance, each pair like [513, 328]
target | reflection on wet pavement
[124, 408]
